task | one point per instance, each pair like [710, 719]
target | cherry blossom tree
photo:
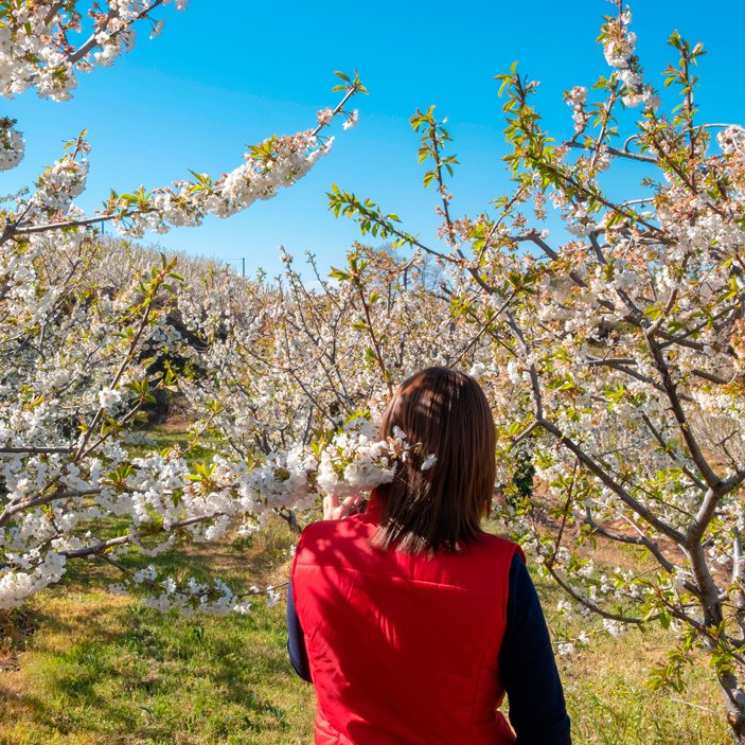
[616, 344]
[85, 347]
[611, 349]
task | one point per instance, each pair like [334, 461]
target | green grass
[125, 674]
[80, 666]
[99, 668]
[611, 704]
[163, 436]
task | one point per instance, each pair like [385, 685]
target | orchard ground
[80, 666]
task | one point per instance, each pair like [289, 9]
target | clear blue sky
[224, 74]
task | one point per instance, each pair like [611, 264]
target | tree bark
[734, 697]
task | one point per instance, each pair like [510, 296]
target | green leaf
[339, 275]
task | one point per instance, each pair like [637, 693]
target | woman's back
[403, 647]
[409, 619]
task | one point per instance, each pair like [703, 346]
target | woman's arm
[528, 669]
[296, 639]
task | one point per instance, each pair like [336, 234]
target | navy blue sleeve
[296, 639]
[528, 668]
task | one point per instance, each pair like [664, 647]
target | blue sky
[225, 74]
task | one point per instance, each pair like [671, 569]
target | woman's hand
[335, 510]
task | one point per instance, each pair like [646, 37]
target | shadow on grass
[102, 668]
[161, 678]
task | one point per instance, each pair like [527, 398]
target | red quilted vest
[403, 648]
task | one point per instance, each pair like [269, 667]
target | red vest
[403, 649]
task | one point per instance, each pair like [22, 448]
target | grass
[610, 702]
[112, 672]
[95, 668]
[101, 668]
[81, 666]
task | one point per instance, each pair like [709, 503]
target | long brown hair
[445, 413]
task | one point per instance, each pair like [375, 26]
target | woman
[412, 622]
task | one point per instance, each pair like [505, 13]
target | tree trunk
[734, 696]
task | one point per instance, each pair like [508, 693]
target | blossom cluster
[277, 163]
[12, 145]
[44, 44]
[619, 45]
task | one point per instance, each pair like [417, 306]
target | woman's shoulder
[318, 537]
[349, 525]
[500, 546]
